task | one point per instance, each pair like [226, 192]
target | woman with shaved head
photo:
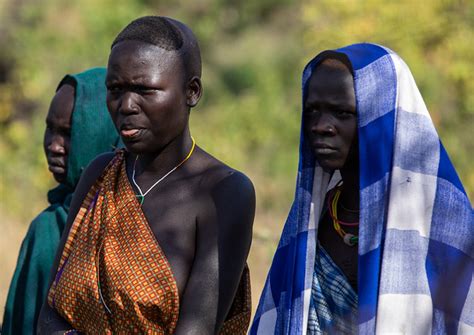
[158, 234]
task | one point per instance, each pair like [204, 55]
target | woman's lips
[323, 148]
[130, 133]
[56, 169]
[324, 151]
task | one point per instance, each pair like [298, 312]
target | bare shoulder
[217, 176]
[88, 178]
[93, 171]
[231, 198]
[97, 166]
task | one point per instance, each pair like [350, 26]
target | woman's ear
[193, 91]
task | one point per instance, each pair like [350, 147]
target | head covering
[92, 130]
[92, 133]
[416, 237]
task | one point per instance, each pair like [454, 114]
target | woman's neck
[350, 191]
[165, 159]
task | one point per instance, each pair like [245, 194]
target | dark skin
[330, 125]
[58, 132]
[202, 214]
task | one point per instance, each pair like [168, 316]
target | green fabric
[92, 133]
[92, 130]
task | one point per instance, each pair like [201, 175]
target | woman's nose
[128, 104]
[323, 125]
[57, 145]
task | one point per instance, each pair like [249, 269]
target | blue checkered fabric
[333, 304]
[416, 235]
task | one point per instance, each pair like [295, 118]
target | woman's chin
[59, 177]
[330, 165]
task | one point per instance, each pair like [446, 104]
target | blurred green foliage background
[253, 55]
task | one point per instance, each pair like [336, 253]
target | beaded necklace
[141, 196]
[349, 239]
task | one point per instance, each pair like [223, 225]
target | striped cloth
[333, 305]
[416, 243]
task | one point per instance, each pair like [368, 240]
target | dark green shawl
[92, 133]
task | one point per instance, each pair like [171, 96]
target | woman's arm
[224, 234]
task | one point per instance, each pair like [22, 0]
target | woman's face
[330, 118]
[146, 95]
[58, 132]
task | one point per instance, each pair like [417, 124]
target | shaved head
[168, 34]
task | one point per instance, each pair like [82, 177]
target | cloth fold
[92, 134]
[416, 237]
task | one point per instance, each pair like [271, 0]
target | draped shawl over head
[92, 133]
[416, 237]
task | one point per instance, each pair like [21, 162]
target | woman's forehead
[325, 75]
[137, 59]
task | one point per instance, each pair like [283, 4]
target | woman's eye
[310, 111]
[145, 90]
[344, 113]
[113, 89]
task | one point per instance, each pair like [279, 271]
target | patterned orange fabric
[113, 276]
[238, 318]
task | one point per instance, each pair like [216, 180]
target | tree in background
[253, 54]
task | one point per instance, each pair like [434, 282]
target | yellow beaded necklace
[349, 239]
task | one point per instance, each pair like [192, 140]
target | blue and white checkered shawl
[416, 238]
[333, 305]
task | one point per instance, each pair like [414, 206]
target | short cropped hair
[168, 34]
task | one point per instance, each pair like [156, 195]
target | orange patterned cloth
[238, 319]
[113, 276]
